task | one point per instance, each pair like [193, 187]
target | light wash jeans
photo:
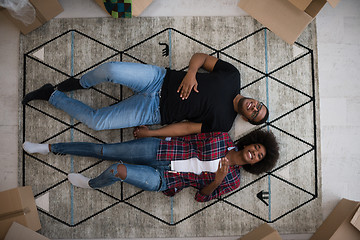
[143, 170]
[140, 109]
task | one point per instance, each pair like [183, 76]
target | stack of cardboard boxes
[19, 218]
[343, 223]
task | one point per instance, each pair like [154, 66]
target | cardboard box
[355, 221]
[20, 232]
[264, 232]
[301, 4]
[45, 10]
[286, 18]
[18, 205]
[137, 6]
[337, 225]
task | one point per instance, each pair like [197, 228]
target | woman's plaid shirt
[205, 147]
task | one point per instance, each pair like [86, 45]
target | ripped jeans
[143, 170]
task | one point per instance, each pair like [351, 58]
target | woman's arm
[220, 174]
[172, 130]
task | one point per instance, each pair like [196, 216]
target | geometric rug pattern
[284, 77]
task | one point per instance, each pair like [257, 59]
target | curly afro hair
[268, 140]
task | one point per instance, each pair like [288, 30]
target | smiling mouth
[249, 106]
[250, 155]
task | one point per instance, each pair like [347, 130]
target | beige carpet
[282, 76]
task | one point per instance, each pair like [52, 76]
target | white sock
[79, 180]
[36, 148]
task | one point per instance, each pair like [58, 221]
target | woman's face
[254, 153]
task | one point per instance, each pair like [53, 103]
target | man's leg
[139, 109]
[138, 77]
[42, 93]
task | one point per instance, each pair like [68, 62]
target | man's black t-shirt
[212, 105]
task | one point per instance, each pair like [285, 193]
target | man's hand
[222, 171]
[141, 132]
[198, 60]
[188, 83]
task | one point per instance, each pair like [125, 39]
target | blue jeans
[143, 170]
[142, 108]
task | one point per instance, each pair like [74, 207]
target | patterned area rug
[282, 76]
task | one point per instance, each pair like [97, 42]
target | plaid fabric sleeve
[201, 136]
[169, 192]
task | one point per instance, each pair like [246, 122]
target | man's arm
[198, 60]
[172, 130]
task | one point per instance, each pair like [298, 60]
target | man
[208, 101]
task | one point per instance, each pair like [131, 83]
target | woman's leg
[139, 109]
[140, 151]
[41, 148]
[139, 77]
[143, 177]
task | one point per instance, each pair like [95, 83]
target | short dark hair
[262, 120]
[268, 140]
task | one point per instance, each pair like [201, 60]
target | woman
[207, 161]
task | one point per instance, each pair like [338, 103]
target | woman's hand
[220, 174]
[141, 132]
[188, 83]
[222, 171]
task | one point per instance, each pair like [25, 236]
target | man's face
[249, 108]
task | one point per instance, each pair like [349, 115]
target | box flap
[345, 232]
[355, 221]
[23, 29]
[263, 232]
[20, 212]
[280, 16]
[333, 3]
[18, 232]
[301, 4]
[28, 201]
[46, 9]
[10, 201]
[138, 6]
[314, 8]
